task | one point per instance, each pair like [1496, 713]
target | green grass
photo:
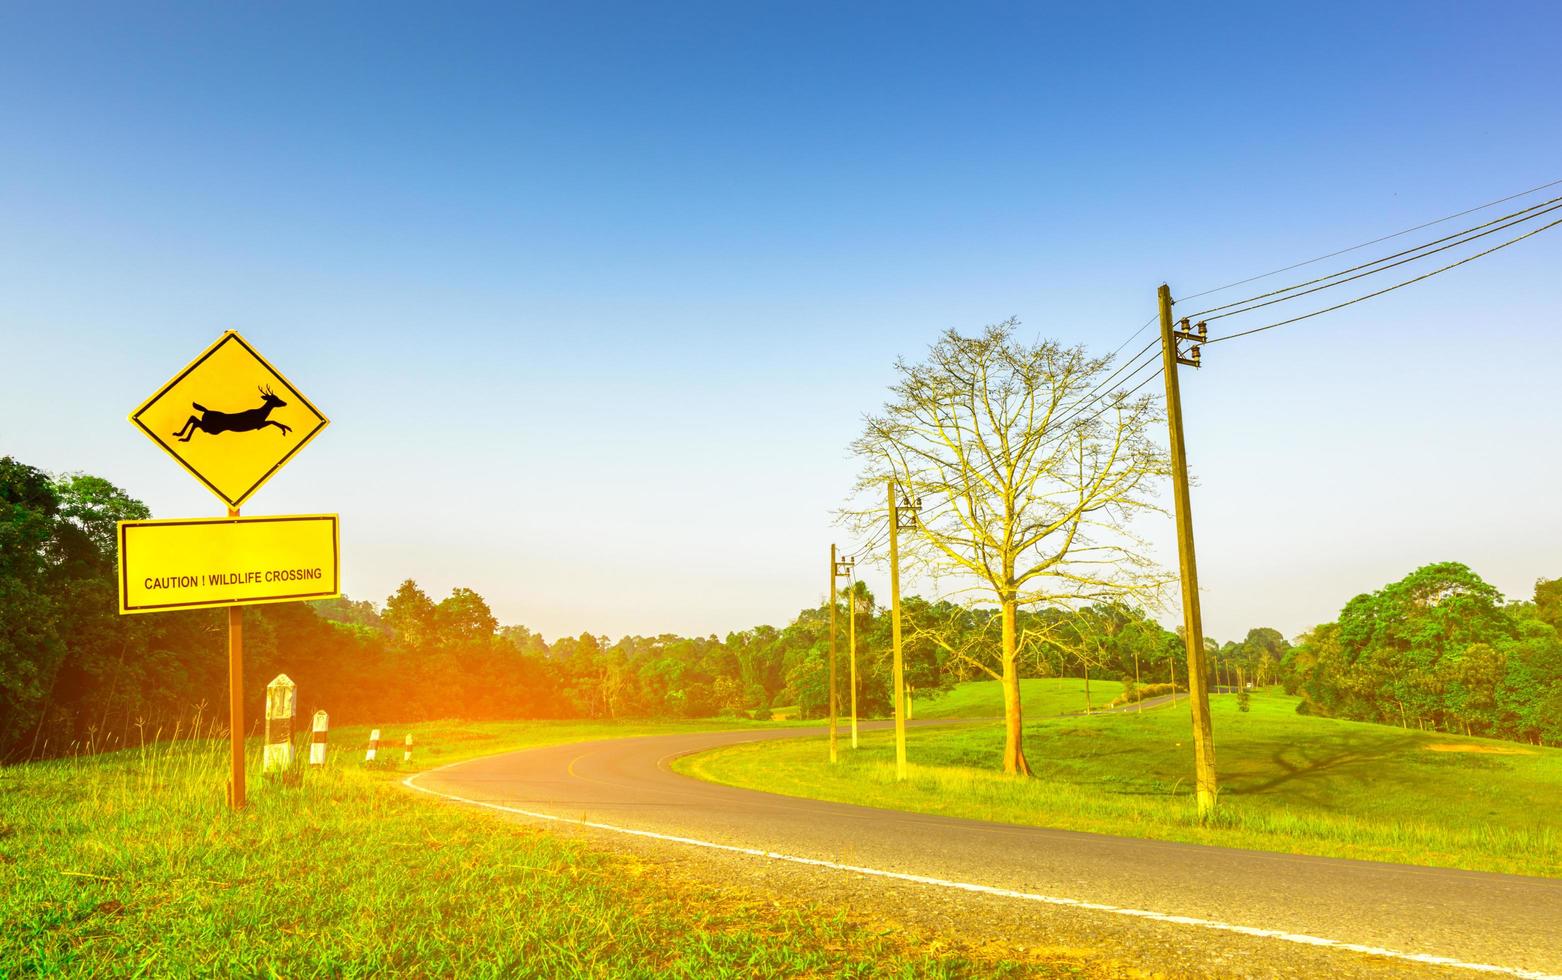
[1040, 697]
[129, 863]
[1289, 783]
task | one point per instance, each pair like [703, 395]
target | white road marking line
[965, 886]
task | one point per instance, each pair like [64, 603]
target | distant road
[1427, 916]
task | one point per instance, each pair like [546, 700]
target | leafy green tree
[1262, 652]
[1439, 649]
[412, 616]
[1548, 602]
[463, 618]
[31, 646]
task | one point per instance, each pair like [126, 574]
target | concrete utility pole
[832, 654]
[898, 683]
[1193, 622]
[845, 568]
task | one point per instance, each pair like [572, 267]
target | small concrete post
[281, 704]
[317, 739]
[374, 746]
[406, 754]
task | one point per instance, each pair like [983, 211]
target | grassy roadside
[128, 864]
[1040, 697]
[1290, 783]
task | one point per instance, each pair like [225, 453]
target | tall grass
[130, 863]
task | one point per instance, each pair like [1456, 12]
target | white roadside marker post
[317, 739]
[281, 704]
[374, 746]
[406, 754]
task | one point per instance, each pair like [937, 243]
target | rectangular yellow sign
[227, 561]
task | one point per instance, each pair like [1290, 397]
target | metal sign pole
[210, 444]
[236, 698]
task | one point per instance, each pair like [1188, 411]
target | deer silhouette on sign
[213, 423]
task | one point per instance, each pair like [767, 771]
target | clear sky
[596, 295]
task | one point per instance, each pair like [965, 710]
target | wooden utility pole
[851, 633]
[236, 698]
[898, 683]
[832, 654]
[1139, 698]
[1193, 623]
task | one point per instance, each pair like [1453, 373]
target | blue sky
[595, 295]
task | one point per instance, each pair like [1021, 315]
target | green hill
[1040, 697]
[1289, 782]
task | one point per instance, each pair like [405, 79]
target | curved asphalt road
[1478, 919]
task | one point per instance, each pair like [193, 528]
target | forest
[1439, 650]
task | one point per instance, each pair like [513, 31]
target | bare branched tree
[1030, 470]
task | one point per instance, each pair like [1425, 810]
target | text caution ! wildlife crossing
[190, 564]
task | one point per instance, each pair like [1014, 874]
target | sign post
[236, 704]
[207, 418]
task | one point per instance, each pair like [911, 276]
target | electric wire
[868, 547]
[1130, 392]
[1421, 251]
[882, 534]
[1084, 403]
[1375, 241]
[1109, 378]
[1388, 289]
[1464, 237]
[1054, 428]
[1131, 336]
[1071, 412]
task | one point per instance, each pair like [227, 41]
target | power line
[1053, 429]
[1085, 402]
[1108, 380]
[1133, 335]
[1375, 241]
[1389, 289]
[1090, 398]
[1132, 391]
[868, 547]
[1464, 237]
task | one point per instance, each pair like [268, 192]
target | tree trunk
[1013, 735]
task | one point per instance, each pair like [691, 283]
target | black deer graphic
[248, 421]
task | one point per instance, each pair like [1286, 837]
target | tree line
[1439, 650]
[74, 672]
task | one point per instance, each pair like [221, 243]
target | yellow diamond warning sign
[230, 418]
